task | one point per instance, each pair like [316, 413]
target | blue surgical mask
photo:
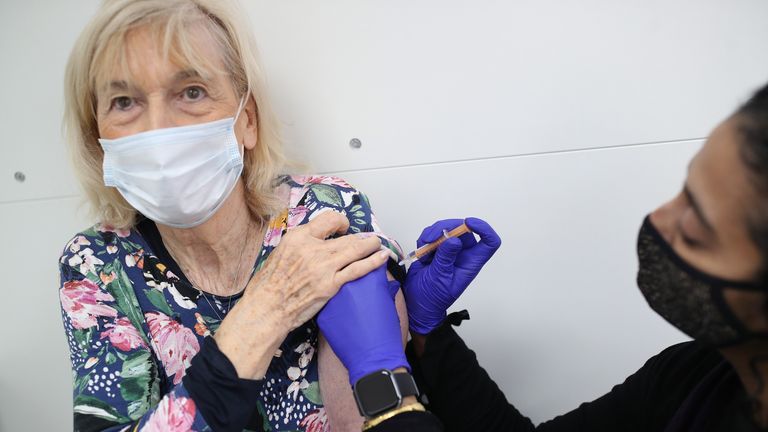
[177, 176]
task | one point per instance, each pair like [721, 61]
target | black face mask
[688, 298]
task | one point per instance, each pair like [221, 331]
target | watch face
[376, 393]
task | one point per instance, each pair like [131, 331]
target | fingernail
[366, 235]
[384, 254]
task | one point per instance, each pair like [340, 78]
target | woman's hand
[298, 278]
[434, 283]
[362, 327]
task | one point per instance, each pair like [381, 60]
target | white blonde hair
[101, 46]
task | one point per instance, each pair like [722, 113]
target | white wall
[562, 123]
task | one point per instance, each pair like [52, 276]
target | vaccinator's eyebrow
[697, 209]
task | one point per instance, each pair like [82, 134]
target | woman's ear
[249, 130]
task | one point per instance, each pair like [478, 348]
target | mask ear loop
[241, 147]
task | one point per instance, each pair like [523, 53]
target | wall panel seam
[511, 156]
[38, 200]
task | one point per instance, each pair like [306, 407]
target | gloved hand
[361, 325]
[435, 282]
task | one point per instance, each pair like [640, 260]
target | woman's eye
[689, 241]
[122, 103]
[690, 229]
[194, 93]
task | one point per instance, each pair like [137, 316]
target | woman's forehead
[150, 53]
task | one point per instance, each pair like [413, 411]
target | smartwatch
[383, 390]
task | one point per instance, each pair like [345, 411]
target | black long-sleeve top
[687, 387]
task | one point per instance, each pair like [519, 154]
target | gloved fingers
[435, 231]
[489, 241]
[419, 264]
[445, 256]
[467, 242]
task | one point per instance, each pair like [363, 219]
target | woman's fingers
[345, 250]
[360, 268]
[310, 269]
[327, 224]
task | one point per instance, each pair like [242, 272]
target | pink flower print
[200, 327]
[296, 216]
[273, 236]
[174, 344]
[91, 362]
[316, 421]
[123, 335]
[107, 279]
[275, 230]
[297, 193]
[119, 232]
[75, 244]
[326, 180]
[173, 414]
[81, 301]
[86, 261]
[135, 259]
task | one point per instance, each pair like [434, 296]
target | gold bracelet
[389, 414]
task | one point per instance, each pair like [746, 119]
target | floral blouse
[133, 325]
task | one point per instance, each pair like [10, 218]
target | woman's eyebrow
[118, 85]
[122, 85]
[187, 74]
[115, 86]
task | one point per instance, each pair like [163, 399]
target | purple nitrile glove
[435, 282]
[361, 325]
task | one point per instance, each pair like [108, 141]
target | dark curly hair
[752, 128]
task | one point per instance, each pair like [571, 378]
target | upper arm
[325, 193]
[334, 379]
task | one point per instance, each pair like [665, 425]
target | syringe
[429, 248]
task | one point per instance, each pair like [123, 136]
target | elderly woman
[189, 306]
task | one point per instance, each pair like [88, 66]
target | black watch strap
[406, 384]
